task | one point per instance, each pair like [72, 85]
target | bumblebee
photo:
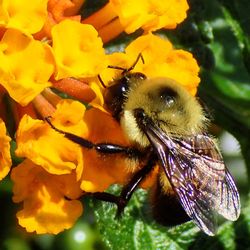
[167, 126]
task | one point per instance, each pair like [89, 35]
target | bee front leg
[103, 148]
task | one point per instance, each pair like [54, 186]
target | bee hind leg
[133, 184]
[109, 148]
[122, 200]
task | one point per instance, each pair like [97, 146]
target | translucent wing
[198, 175]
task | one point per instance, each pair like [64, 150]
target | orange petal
[86, 57]
[101, 171]
[27, 16]
[75, 88]
[21, 77]
[45, 208]
[5, 158]
[58, 155]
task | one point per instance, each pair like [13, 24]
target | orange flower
[129, 15]
[59, 10]
[62, 9]
[5, 158]
[160, 60]
[86, 56]
[46, 147]
[49, 204]
[26, 66]
[26, 16]
[100, 171]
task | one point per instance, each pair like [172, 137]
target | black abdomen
[166, 208]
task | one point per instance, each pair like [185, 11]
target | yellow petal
[26, 66]
[100, 172]
[99, 96]
[162, 60]
[69, 117]
[46, 147]
[27, 16]
[78, 50]
[149, 14]
[45, 208]
[152, 47]
[5, 158]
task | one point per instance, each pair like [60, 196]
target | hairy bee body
[166, 126]
[161, 117]
[167, 103]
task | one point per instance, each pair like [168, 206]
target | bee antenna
[134, 64]
[116, 67]
[101, 81]
[124, 70]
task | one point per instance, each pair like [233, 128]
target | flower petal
[101, 171]
[46, 147]
[150, 15]
[86, 56]
[162, 60]
[26, 66]
[5, 158]
[45, 210]
[59, 10]
[27, 16]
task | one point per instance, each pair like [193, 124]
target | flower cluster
[45, 45]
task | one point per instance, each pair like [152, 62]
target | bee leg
[74, 138]
[122, 200]
[132, 185]
[104, 148]
[103, 196]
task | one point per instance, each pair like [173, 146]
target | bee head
[116, 95]
[165, 103]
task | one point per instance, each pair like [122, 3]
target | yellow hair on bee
[167, 103]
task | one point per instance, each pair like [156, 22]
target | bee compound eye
[168, 96]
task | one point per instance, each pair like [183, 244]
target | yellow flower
[56, 172]
[46, 147]
[149, 15]
[57, 155]
[77, 49]
[58, 11]
[26, 66]
[5, 158]
[49, 204]
[160, 60]
[129, 15]
[27, 16]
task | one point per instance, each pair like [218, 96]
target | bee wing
[198, 175]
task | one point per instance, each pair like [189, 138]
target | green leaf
[226, 88]
[231, 235]
[137, 230]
